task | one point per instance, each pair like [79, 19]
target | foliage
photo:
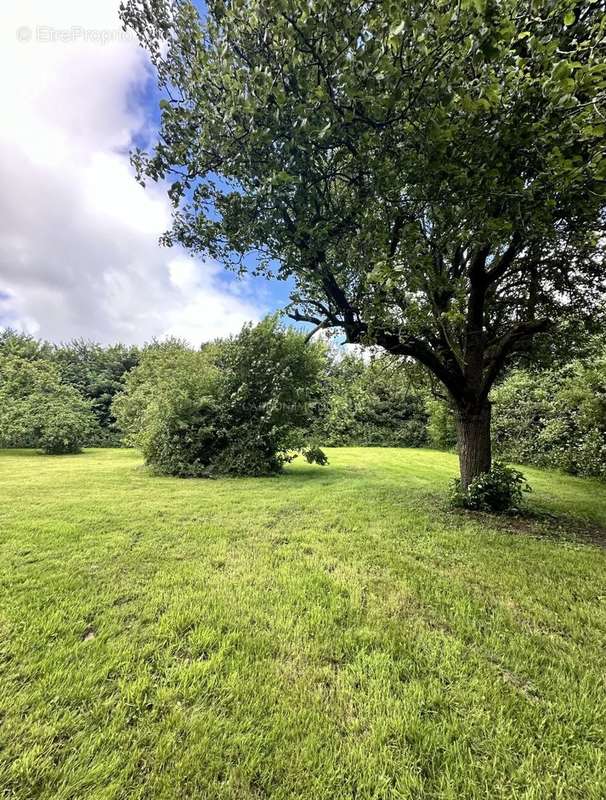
[23, 345]
[431, 174]
[181, 431]
[555, 418]
[98, 373]
[240, 406]
[373, 403]
[499, 490]
[156, 363]
[38, 410]
[441, 428]
[315, 455]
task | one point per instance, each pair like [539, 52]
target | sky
[79, 252]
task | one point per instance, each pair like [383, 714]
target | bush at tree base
[498, 490]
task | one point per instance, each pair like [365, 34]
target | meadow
[330, 633]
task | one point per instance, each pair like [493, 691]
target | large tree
[431, 173]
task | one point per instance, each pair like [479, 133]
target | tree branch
[514, 341]
[500, 267]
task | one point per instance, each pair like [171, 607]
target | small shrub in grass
[66, 425]
[499, 490]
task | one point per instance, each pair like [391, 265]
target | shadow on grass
[21, 452]
[539, 524]
[327, 474]
[291, 475]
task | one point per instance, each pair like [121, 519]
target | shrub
[373, 404]
[441, 428]
[37, 410]
[238, 407]
[501, 489]
[162, 365]
[555, 418]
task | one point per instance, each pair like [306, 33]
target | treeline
[64, 391]
[555, 417]
[241, 405]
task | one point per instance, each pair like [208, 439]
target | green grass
[330, 633]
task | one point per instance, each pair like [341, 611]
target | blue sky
[147, 98]
[79, 253]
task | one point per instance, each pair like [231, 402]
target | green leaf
[561, 70]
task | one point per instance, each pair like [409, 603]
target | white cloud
[79, 253]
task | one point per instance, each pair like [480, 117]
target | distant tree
[441, 427]
[240, 406]
[98, 373]
[431, 174]
[38, 410]
[374, 404]
[23, 345]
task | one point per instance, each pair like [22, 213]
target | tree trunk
[473, 441]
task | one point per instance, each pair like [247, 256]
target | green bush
[241, 406]
[38, 410]
[97, 372]
[441, 428]
[498, 490]
[555, 418]
[373, 404]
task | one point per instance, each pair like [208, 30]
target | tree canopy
[96, 371]
[431, 173]
[37, 409]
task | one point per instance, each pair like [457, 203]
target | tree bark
[473, 442]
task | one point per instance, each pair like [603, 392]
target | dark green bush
[238, 407]
[373, 404]
[501, 489]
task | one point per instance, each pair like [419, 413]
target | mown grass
[330, 633]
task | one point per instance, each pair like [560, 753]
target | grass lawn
[331, 633]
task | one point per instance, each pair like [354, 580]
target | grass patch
[329, 633]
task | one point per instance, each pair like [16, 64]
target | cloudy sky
[79, 253]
